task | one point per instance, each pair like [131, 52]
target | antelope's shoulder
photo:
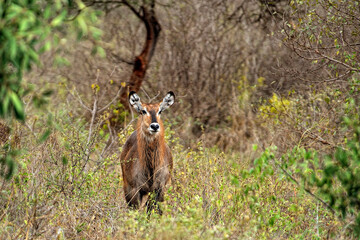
[131, 143]
[132, 139]
[168, 156]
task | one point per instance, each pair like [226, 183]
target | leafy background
[265, 131]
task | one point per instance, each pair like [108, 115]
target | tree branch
[137, 13]
[142, 61]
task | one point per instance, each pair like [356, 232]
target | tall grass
[68, 187]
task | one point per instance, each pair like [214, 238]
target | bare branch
[339, 62]
[111, 102]
[137, 13]
[120, 59]
[78, 98]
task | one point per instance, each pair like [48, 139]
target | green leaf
[5, 105]
[33, 55]
[330, 170]
[46, 47]
[64, 160]
[47, 12]
[45, 135]
[59, 19]
[341, 156]
[234, 180]
[101, 52]
[18, 106]
[25, 63]
[82, 24]
[12, 48]
[47, 93]
[272, 220]
[327, 100]
[96, 33]
[10, 167]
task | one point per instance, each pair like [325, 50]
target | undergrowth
[68, 182]
[69, 186]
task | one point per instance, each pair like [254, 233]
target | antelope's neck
[151, 150]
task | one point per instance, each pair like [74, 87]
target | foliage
[68, 183]
[70, 186]
[7, 160]
[76, 194]
[28, 29]
[336, 178]
[325, 33]
[274, 107]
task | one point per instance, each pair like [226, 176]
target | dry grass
[69, 185]
[58, 193]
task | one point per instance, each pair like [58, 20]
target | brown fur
[146, 162]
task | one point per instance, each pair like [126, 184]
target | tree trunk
[142, 61]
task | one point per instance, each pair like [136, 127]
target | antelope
[146, 160]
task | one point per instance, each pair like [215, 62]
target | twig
[338, 62]
[154, 97]
[120, 59]
[112, 101]
[93, 115]
[126, 3]
[78, 98]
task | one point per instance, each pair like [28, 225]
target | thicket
[265, 133]
[322, 156]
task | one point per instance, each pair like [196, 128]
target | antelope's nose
[154, 127]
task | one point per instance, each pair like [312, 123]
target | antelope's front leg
[162, 178]
[133, 197]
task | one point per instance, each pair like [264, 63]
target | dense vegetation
[265, 131]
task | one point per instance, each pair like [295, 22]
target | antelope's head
[150, 121]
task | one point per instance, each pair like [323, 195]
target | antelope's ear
[168, 100]
[134, 101]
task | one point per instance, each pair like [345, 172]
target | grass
[62, 190]
[68, 185]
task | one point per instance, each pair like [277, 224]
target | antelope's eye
[143, 112]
